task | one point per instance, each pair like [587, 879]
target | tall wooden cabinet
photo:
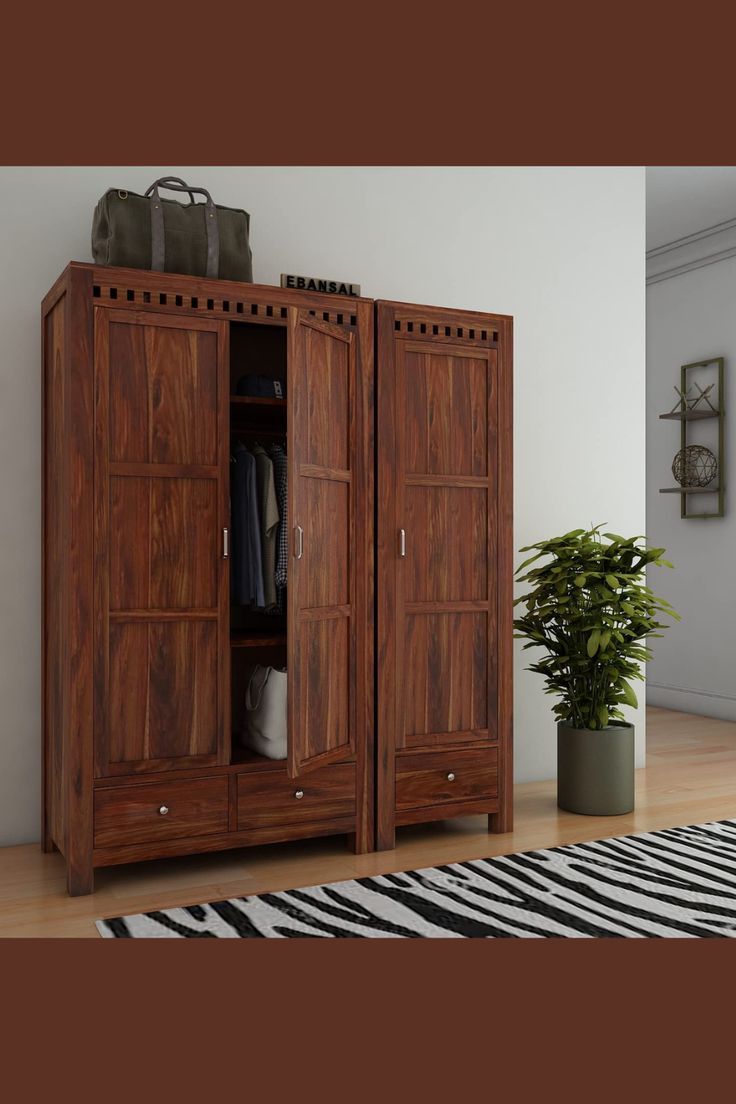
[444, 613]
[145, 656]
[145, 653]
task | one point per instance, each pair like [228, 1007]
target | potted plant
[588, 606]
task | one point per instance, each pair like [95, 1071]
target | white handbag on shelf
[264, 723]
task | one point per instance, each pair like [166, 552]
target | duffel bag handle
[166, 181]
[158, 240]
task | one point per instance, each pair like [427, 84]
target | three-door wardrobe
[241, 479]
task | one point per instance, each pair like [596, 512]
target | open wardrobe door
[322, 564]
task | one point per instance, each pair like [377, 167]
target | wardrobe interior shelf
[256, 640]
[251, 760]
[689, 490]
[253, 400]
[688, 415]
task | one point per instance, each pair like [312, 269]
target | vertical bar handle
[298, 541]
[225, 543]
[402, 543]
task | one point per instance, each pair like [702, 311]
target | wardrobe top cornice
[200, 288]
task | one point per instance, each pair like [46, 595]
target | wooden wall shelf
[690, 415]
[689, 490]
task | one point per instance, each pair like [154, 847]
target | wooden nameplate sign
[318, 283]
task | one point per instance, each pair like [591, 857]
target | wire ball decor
[694, 466]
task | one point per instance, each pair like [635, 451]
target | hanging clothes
[246, 563]
[268, 512]
[278, 455]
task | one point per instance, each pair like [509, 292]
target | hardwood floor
[690, 777]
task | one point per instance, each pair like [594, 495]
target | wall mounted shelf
[689, 490]
[686, 416]
[690, 415]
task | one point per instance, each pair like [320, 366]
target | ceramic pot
[595, 770]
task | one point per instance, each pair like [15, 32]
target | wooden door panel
[163, 395]
[185, 543]
[322, 584]
[162, 700]
[446, 396]
[161, 501]
[327, 402]
[446, 553]
[445, 500]
[325, 568]
[445, 679]
[324, 672]
[164, 542]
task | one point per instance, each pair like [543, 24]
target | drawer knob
[299, 794]
[451, 777]
[163, 810]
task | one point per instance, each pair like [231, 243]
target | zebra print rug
[680, 882]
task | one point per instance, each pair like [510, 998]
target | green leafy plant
[589, 607]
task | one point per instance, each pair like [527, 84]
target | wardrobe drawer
[160, 810]
[437, 777]
[267, 798]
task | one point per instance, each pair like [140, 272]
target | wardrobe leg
[386, 839]
[80, 877]
[501, 822]
[359, 843]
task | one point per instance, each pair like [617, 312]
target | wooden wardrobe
[444, 613]
[146, 656]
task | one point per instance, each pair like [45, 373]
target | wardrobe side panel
[502, 821]
[364, 541]
[78, 760]
[54, 637]
[387, 415]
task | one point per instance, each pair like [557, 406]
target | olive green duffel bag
[197, 239]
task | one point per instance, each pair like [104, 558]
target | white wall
[689, 317]
[562, 249]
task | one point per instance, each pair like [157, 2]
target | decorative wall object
[694, 466]
[697, 468]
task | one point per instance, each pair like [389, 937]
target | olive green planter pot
[595, 770]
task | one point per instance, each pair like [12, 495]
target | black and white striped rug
[679, 882]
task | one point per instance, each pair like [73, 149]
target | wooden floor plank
[690, 777]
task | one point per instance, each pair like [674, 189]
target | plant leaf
[593, 642]
[628, 694]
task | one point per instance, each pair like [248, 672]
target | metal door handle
[299, 541]
[225, 543]
[402, 542]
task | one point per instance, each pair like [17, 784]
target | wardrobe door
[323, 515]
[444, 499]
[161, 504]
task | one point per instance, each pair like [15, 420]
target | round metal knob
[163, 810]
[299, 795]
[451, 777]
